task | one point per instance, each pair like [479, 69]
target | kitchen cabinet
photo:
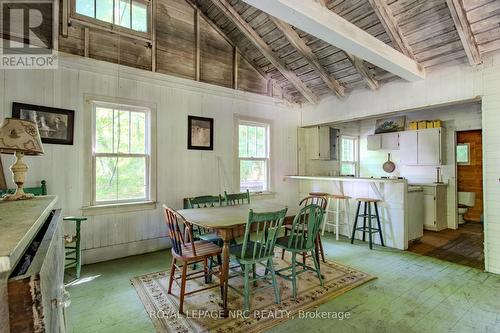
[408, 143]
[385, 141]
[322, 143]
[422, 147]
[435, 203]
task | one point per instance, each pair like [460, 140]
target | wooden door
[470, 176]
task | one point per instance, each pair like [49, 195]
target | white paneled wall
[181, 172]
[441, 86]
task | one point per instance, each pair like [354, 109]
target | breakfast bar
[392, 208]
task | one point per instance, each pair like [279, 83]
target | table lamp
[19, 137]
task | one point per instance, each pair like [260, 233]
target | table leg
[226, 236]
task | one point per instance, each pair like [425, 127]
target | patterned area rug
[203, 312]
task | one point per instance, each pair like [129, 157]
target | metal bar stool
[367, 217]
[337, 211]
[73, 256]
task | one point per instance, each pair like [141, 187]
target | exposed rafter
[365, 73]
[265, 49]
[385, 16]
[311, 17]
[464, 31]
[297, 42]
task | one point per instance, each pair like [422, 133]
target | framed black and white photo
[55, 125]
[200, 133]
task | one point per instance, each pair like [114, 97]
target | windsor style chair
[186, 251]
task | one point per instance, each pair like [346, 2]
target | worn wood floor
[413, 293]
[462, 246]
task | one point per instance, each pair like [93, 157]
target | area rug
[203, 312]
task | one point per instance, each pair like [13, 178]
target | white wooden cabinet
[385, 141]
[408, 142]
[321, 143]
[435, 207]
[422, 147]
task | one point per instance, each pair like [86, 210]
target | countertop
[428, 184]
[348, 179]
[19, 224]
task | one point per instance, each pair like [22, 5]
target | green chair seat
[210, 237]
[260, 251]
[283, 242]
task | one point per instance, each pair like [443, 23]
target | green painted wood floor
[413, 293]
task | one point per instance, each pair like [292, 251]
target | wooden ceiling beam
[464, 31]
[299, 44]
[363, 71]
[313, 18]
[391, 27]
[266, 50]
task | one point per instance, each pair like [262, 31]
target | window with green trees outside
[121, 154]
[253, 156]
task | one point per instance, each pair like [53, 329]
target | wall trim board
[129, 73]
[106, 253]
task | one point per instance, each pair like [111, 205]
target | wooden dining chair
[261, 232]
[310, 200]
[237, 198]
[186, 251]
[302, 238]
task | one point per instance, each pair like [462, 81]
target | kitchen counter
[349, 179]
[428, 184]
[393, 205]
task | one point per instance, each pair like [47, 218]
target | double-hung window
[253, 155]
[121, 153]
[348, 155]
[129, 14]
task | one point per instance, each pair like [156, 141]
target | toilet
[466, 200]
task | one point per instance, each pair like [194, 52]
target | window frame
[250, 121]
[468, 153]
[355, 163]
[106, 207]
[83, 19]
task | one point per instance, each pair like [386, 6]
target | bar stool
[367, 216]
[73, 253]
[337, 211]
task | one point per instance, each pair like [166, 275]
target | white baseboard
[90, 256]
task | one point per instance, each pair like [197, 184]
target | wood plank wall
[173, 51]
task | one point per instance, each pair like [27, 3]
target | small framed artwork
[394, 124]
[55, 125]
[200, 133]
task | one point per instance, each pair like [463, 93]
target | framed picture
[394, 124]
[200, 133]
[55, 125]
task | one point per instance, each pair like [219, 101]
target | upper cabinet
[422, 147]
[322, 143]
[385, 141]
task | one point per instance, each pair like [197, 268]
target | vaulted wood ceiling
[432, 32]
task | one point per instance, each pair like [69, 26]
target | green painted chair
[302, 238]
[205, 201]
[73, 253]
[237, 198]
[261, 232]
[40, 190]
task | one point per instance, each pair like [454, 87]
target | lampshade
[21, 136]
